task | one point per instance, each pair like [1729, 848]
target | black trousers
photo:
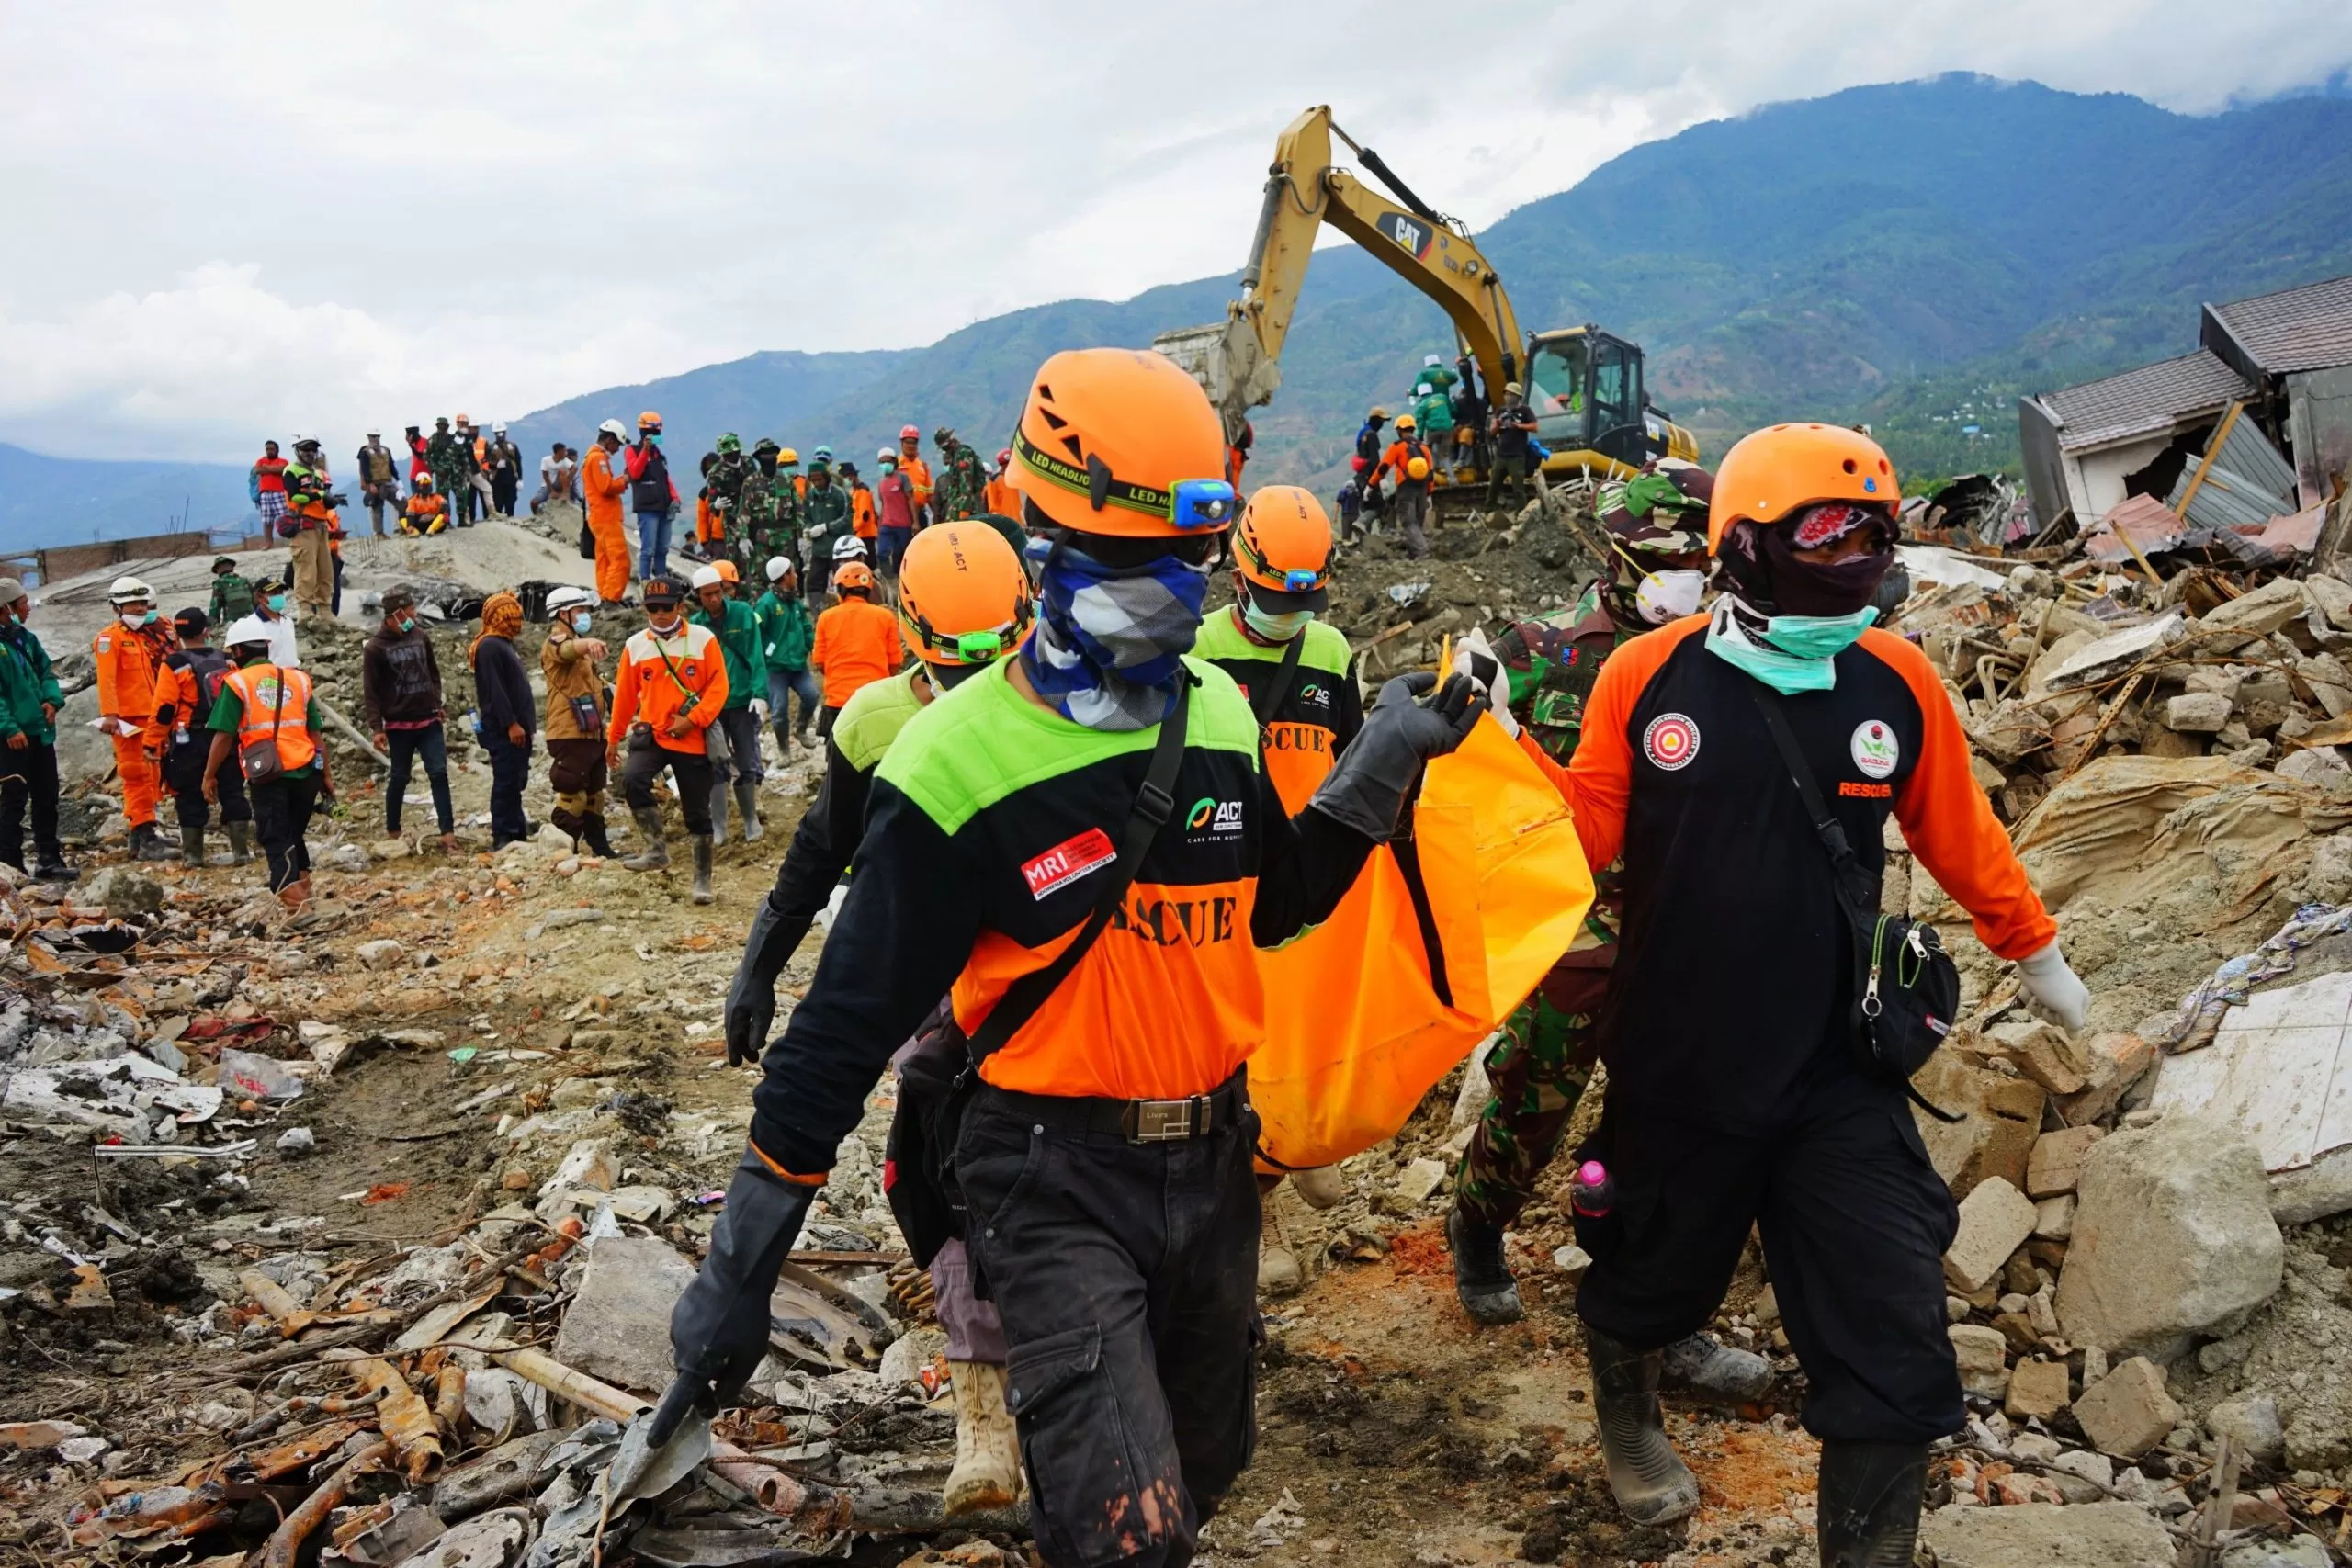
[689, 771]
[184, 772]
[1126, 1278]
[510, 769]
[406, 747]
[1855, 1222]
[29, 777]
[282, 808]
[502, 493]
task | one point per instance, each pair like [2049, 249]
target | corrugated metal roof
[2308, 328]
[2146, 402]
[2246, 483]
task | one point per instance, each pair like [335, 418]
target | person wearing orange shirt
[1409, 456]
[604, 486]
[857, 641]
[865, 518]
[128, 650]
[1002, 497]
[671, 687]
[911, 464]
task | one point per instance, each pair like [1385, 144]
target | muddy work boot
[747, 802]
[591, 831]
[1481, 1278]
[241, 843]
[1870, 1503]
[702, 894]
[988, 1450]
[191, 846]
[147, 844]
[655, 855]
[1704, 1366]
[1648, 1479]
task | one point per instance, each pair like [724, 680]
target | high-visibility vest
[258, 688]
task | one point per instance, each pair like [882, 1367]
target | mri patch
[1670, 741]
[1875, 749]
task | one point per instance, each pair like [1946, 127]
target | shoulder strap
[1263, 705]
[1154, 802]
[1847, 873]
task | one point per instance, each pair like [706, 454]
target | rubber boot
[1705, 1366]
[591, 829]
[52, 868]
[655, 855]
[1870, 1503]
[987, 1449]
[747, 801]
[191, 845]
[719, 812]
[1481, 1278]
[147, 844]
[241, 843]
[1648, 1478]
[702, 894]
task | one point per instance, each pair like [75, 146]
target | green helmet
[729, 442]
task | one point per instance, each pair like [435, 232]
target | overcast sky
[231, 220]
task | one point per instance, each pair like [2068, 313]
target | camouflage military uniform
[752, 523]
[452, 462]
[963, 483]
[723, 483]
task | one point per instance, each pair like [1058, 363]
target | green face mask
[1798, 652]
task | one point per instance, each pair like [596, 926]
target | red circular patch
[1671, 741]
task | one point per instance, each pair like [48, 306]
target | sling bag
[937, 1078]
[1266, 701]
[1907, 988]
[259, 758]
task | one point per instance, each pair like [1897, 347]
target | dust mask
[1275, 628]
[580, 620]
[1665, 596]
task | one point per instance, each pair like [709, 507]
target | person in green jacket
[232, 596]
[738, 630]
[1434, 407]
[29, 703]
[787, 631]
[824, 519]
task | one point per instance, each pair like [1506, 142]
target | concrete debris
[2127, 1412]
[2035, 1535]
[1995, 1221]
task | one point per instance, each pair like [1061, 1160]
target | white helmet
[499, 429]
[707, 577]
[128, 588]
[887, 454]
[305, 440]
[613, 427]
[252, 631]
[563, 599]
[849, 547]
[779, 567]
[1430, 359]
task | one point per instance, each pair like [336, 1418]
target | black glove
[1368, 786]
[750, 1000]
[718, 1330]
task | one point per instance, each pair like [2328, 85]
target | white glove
[2053, 993]
[760, 709]
[1474, 658]
[832, 909]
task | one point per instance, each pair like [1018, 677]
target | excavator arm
[1239, 359]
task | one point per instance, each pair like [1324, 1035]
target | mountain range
[1913, 255]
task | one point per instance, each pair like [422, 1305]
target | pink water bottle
[1592, 1193]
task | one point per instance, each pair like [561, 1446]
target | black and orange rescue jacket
[1318, 714]
[988, 822]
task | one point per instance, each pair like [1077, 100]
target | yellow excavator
[1592, 412]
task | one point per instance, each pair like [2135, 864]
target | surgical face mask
[277, 602]
[1665, 596]
[1797, 653]
[654, 436]
[1274, 628]
[662, 621]
[580, 620]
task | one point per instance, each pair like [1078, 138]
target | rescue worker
[752, 523]
[672, 687]
[911, 464]
[571, 660]
[1123, 1273]
[601, 487]
[186, 688]
[723, 482]
[894, 498]
[786, 633]
[429, 510]
[962, 478]
[450, 456]
[824, 518]
[653, 496]
[1002, 497]
[791, 484]
[232, 597]
[963, 602]
[1368, 451]
[1409, 456]
[310, 505]
[262, 704]
[128, 651]
[504, 465]
[400, 683]
[1514, 459]
[864, 525]
[1746, 1100]
[29, 699]
[857, 641]
[380, 483]
[1433, 409]
[746, 709]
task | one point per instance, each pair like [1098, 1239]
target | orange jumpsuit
[1002, 497]
[126, 660]
[604, 489]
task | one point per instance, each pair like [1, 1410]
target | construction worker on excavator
[964, 602]
[1107, 987]
[128, 650]
[1747, 761]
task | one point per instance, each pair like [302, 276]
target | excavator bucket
[1225, 358]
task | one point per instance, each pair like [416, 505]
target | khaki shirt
[569, 675]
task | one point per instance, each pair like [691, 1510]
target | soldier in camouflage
[723, 484]
[963, 479]
[1544, 1055]
[451, 458]
[824, 518]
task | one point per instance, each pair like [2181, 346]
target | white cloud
[252, 216]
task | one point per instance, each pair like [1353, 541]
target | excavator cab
[1592, 411]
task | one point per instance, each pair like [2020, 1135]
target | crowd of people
[1447, 426]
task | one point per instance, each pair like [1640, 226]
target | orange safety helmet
[853, 574]
[962, 595]
[1417, 467]
[1770, 473]
[1282, 548]
[648, 419]
[1119, 441]
[726, 570]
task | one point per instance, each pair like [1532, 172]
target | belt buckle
[1162, 1121]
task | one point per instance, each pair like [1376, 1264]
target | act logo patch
[1671, 741]
[1875, 749]
[1068, 861]
[1212, 817]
